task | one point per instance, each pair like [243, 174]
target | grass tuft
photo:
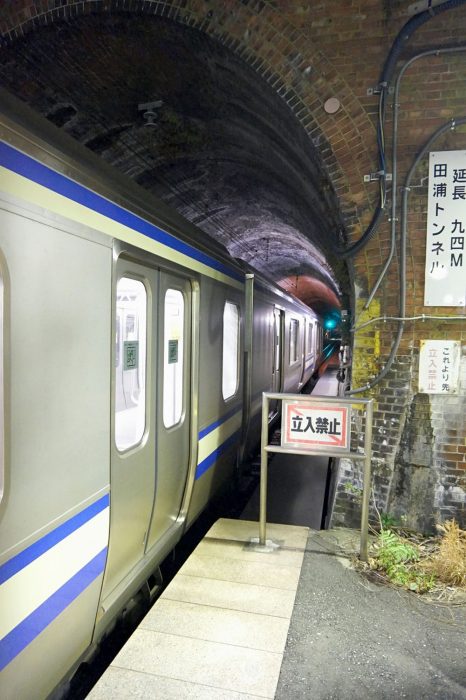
[421, 564]
[448, 563]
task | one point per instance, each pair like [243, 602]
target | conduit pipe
[398, 45]
[421, 317]
[406, 32]
[450, 125]
[396, 108]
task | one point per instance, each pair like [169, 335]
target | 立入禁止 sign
[313, 427]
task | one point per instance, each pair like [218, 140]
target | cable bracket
[378, 89]
[373, 177]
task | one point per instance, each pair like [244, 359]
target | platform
[219, 630]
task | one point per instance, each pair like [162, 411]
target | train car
[134, 352]
[283, 344]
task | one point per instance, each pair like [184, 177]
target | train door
[277, 376]
[151, 409]
[132, 466]
[173, 402]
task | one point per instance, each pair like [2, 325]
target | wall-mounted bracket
[149, 111]
[373, 177]
[378, 89]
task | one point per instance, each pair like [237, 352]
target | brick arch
[273, 47]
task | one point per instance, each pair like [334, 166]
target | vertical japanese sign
[130, 354]
[445, 273]
[439, 366]
[310, 426]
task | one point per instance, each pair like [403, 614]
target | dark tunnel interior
[191, 122]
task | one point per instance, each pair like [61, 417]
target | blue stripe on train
[203, 466]
[27, 630]
[11, 567]
[218, 423]
[33, 170]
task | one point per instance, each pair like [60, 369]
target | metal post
[367, 481]
[263, 484]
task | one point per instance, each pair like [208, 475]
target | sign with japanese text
[172, 352]
[445, 273]
[130, 354]
[439, 366]
[315, 427]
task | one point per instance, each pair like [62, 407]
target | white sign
[445, 274]
[311, 426]
[439, 365]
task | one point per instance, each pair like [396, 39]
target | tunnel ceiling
[223, 149]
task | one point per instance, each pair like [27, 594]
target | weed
[395, 550]
[421, 564]
[353, 490]
[448, 563]
[397, 558]
[387, 521]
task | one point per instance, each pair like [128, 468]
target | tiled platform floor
[218, 631]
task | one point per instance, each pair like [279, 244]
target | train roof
[50, 145]
[269, 285]
[70, 158]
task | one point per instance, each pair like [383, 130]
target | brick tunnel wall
[310, 52]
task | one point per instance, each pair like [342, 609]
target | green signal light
[329, 324]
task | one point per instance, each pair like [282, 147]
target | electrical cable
[390, 64]
[371, 230]
[396, 109]
[398, 45]
[422, 317]
[406, 32]
[450, 125]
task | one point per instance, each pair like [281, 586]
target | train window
[2, 404]
[173, 358]
[310, 329]
[130, 362]
[230, 350]
[294, 328]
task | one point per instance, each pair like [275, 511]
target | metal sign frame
[366, 455]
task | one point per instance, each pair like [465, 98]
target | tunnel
[193, 123]
[268, 124]
[194, 196]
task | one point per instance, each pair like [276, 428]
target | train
[134, 352]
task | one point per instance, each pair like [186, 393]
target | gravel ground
[350, 638]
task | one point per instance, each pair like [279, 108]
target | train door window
[230, 350]
[130, 362]
[277, 315]
[173, 357]
[294, 337]
[310, 329]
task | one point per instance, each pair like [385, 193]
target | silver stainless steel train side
[133, 356]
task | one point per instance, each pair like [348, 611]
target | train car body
[134, 353]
